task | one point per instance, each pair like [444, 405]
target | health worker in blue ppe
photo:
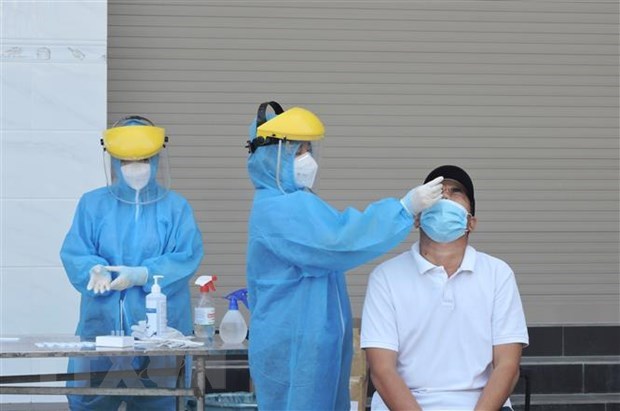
[299, 248]
[122, 235]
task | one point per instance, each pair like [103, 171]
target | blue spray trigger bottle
[233, 328]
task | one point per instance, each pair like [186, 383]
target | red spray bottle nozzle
[206, 283]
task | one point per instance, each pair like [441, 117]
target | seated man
[443, 325]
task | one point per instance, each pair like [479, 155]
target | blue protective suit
[162, 236]
[298, 251]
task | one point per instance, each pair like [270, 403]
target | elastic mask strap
[469, 215]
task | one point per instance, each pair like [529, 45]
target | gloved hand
[99, 279]
[422, 197]
[128, 276]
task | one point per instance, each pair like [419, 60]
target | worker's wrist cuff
[143, 276]
[406, 200]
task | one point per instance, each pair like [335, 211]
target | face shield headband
[261, 118]
[134, 138]
[128, 182]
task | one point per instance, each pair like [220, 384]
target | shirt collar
[424, 266]
[469, 260]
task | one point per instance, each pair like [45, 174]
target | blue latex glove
[128, 276]
[100, 279]
[422, 197]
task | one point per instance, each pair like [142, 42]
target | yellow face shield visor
[134, 142]
[296, 124]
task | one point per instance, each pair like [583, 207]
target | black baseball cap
[457, 174]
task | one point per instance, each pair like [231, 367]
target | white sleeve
[509, 325]
[379, 328]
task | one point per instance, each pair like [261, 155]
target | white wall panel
[52, 110]
[40, 287]
[45, 164]
[36, 229]
[45, 22]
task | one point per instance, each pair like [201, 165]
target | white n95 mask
[305, 170]
[136, 174]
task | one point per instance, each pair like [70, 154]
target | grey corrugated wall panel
[523, 94]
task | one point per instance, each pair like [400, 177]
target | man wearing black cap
[443, 325]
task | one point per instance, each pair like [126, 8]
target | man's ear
[471, 223]
[416, 221]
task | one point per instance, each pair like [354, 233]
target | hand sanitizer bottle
[156, 308]
[204, 312]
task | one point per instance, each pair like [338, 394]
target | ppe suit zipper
[340, 311]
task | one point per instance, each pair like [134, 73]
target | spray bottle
[204, 312]
[156, 312]
[233, 328]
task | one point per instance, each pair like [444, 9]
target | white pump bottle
[156, 308]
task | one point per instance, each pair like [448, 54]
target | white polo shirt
[443, 329]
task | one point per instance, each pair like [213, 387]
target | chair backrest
[358, 384]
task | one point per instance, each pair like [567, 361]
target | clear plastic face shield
[136, 180]
[306, 159]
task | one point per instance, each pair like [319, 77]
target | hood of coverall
[263, 163]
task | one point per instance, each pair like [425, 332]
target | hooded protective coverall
[161, 236]
[298, 251]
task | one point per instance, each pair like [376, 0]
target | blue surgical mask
[445, 221]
